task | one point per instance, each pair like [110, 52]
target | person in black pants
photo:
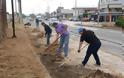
[48, 32]
[94, 45]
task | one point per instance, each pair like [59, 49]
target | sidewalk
[100, 25]
[18, 58]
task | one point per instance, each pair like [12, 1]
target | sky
[41, 6]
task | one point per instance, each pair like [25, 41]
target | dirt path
[18, 58]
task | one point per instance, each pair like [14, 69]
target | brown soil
[69, 71]
[18, 58]
[66, 71]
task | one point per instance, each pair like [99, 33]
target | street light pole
[75, 7]
[98, 12]
[13, 20]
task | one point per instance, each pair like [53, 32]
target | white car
[53, 20]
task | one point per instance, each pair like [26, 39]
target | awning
[104, 14]
[115, 6]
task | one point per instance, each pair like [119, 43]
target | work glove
[78, 51]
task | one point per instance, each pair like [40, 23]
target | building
[67, 13]
[110, 10]
[80, 10]
[123, 7]
[64, 13]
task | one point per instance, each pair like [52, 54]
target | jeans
[48, 38]
[64, 42]
[92, 49]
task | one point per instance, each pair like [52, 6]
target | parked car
[53, 20]
[74, 19]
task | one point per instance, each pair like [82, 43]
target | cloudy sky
[41, 6]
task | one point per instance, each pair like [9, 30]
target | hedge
[120, 22]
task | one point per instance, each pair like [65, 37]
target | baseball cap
[80, 30]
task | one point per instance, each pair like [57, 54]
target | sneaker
[97, 65]
[80, 66]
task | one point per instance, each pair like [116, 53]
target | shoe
[97, 65]
[80, 66]
[83, 64]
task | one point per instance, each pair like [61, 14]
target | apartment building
[80, 10]
[110, 10]
[123, 7]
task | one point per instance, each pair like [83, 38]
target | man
[94, 45]
[37, 23]
[48, 32]
[63, 34]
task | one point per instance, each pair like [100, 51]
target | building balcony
[111, 6]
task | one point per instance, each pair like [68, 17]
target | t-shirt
[89, 36]
[61, 30]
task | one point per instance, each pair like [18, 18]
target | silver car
[53, 20]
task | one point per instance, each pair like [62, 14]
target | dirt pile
[52, 48]
[67, 71]
[70, 71]
[101, 74]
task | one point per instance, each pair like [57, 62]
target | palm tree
[20, 11]
[3, 19]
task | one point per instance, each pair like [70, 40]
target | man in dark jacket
[48, 32]
[94, 45]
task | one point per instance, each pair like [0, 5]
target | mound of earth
[69, 71]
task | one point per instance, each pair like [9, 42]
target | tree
[20, 11]
[3, 19]
[33, 16]
[85, 15]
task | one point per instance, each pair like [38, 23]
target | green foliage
[120, 22]
[85, 15]
[80, 17]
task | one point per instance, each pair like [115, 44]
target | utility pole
[109, 11]
[16, 6]
[110, 16]
[13, 20]
[20, 11]
[98, 12]
[75, 8]
[3, 19]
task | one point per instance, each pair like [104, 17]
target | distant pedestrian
[48, 32]
[94, 45]
[37, 23]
